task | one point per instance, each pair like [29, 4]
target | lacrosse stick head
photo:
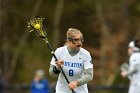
[37, 24]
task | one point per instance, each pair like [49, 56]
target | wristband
[55, 70]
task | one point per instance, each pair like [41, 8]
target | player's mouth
[79, 45]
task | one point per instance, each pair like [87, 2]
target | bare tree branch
[22, 41]
[57, 17]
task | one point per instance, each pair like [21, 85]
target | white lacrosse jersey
[73, 67]
[135, 60]
[134, 77]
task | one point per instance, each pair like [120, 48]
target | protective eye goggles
[76, 39]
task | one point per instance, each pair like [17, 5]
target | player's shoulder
[85, 54]
[135, 56]
[84, 51]
[63, 48]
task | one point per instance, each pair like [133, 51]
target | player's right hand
[59, 64]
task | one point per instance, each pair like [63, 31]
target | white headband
[132, 45]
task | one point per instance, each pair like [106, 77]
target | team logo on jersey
[73, 64]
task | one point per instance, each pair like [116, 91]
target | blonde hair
[40, 73]
[72, 31]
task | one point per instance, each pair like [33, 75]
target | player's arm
[88, 73]
[130, 71]
[133, 69]
[135, 66]
[88, 76]
[53, 71]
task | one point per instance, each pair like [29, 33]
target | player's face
[37, 78]
[130, 51]
[76, 42]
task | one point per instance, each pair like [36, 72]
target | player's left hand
[124, 73]
[73, 85]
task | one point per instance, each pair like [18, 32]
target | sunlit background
[108, 26]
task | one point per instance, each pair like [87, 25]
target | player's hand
[73, 85]
[124, 73]
[59, 63]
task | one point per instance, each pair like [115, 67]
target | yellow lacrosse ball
[37, 26]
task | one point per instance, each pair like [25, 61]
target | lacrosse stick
[37, 24]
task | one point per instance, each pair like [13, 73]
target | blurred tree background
[107, 25]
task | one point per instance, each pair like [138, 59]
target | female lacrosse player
[76, 63]
[133, 72]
